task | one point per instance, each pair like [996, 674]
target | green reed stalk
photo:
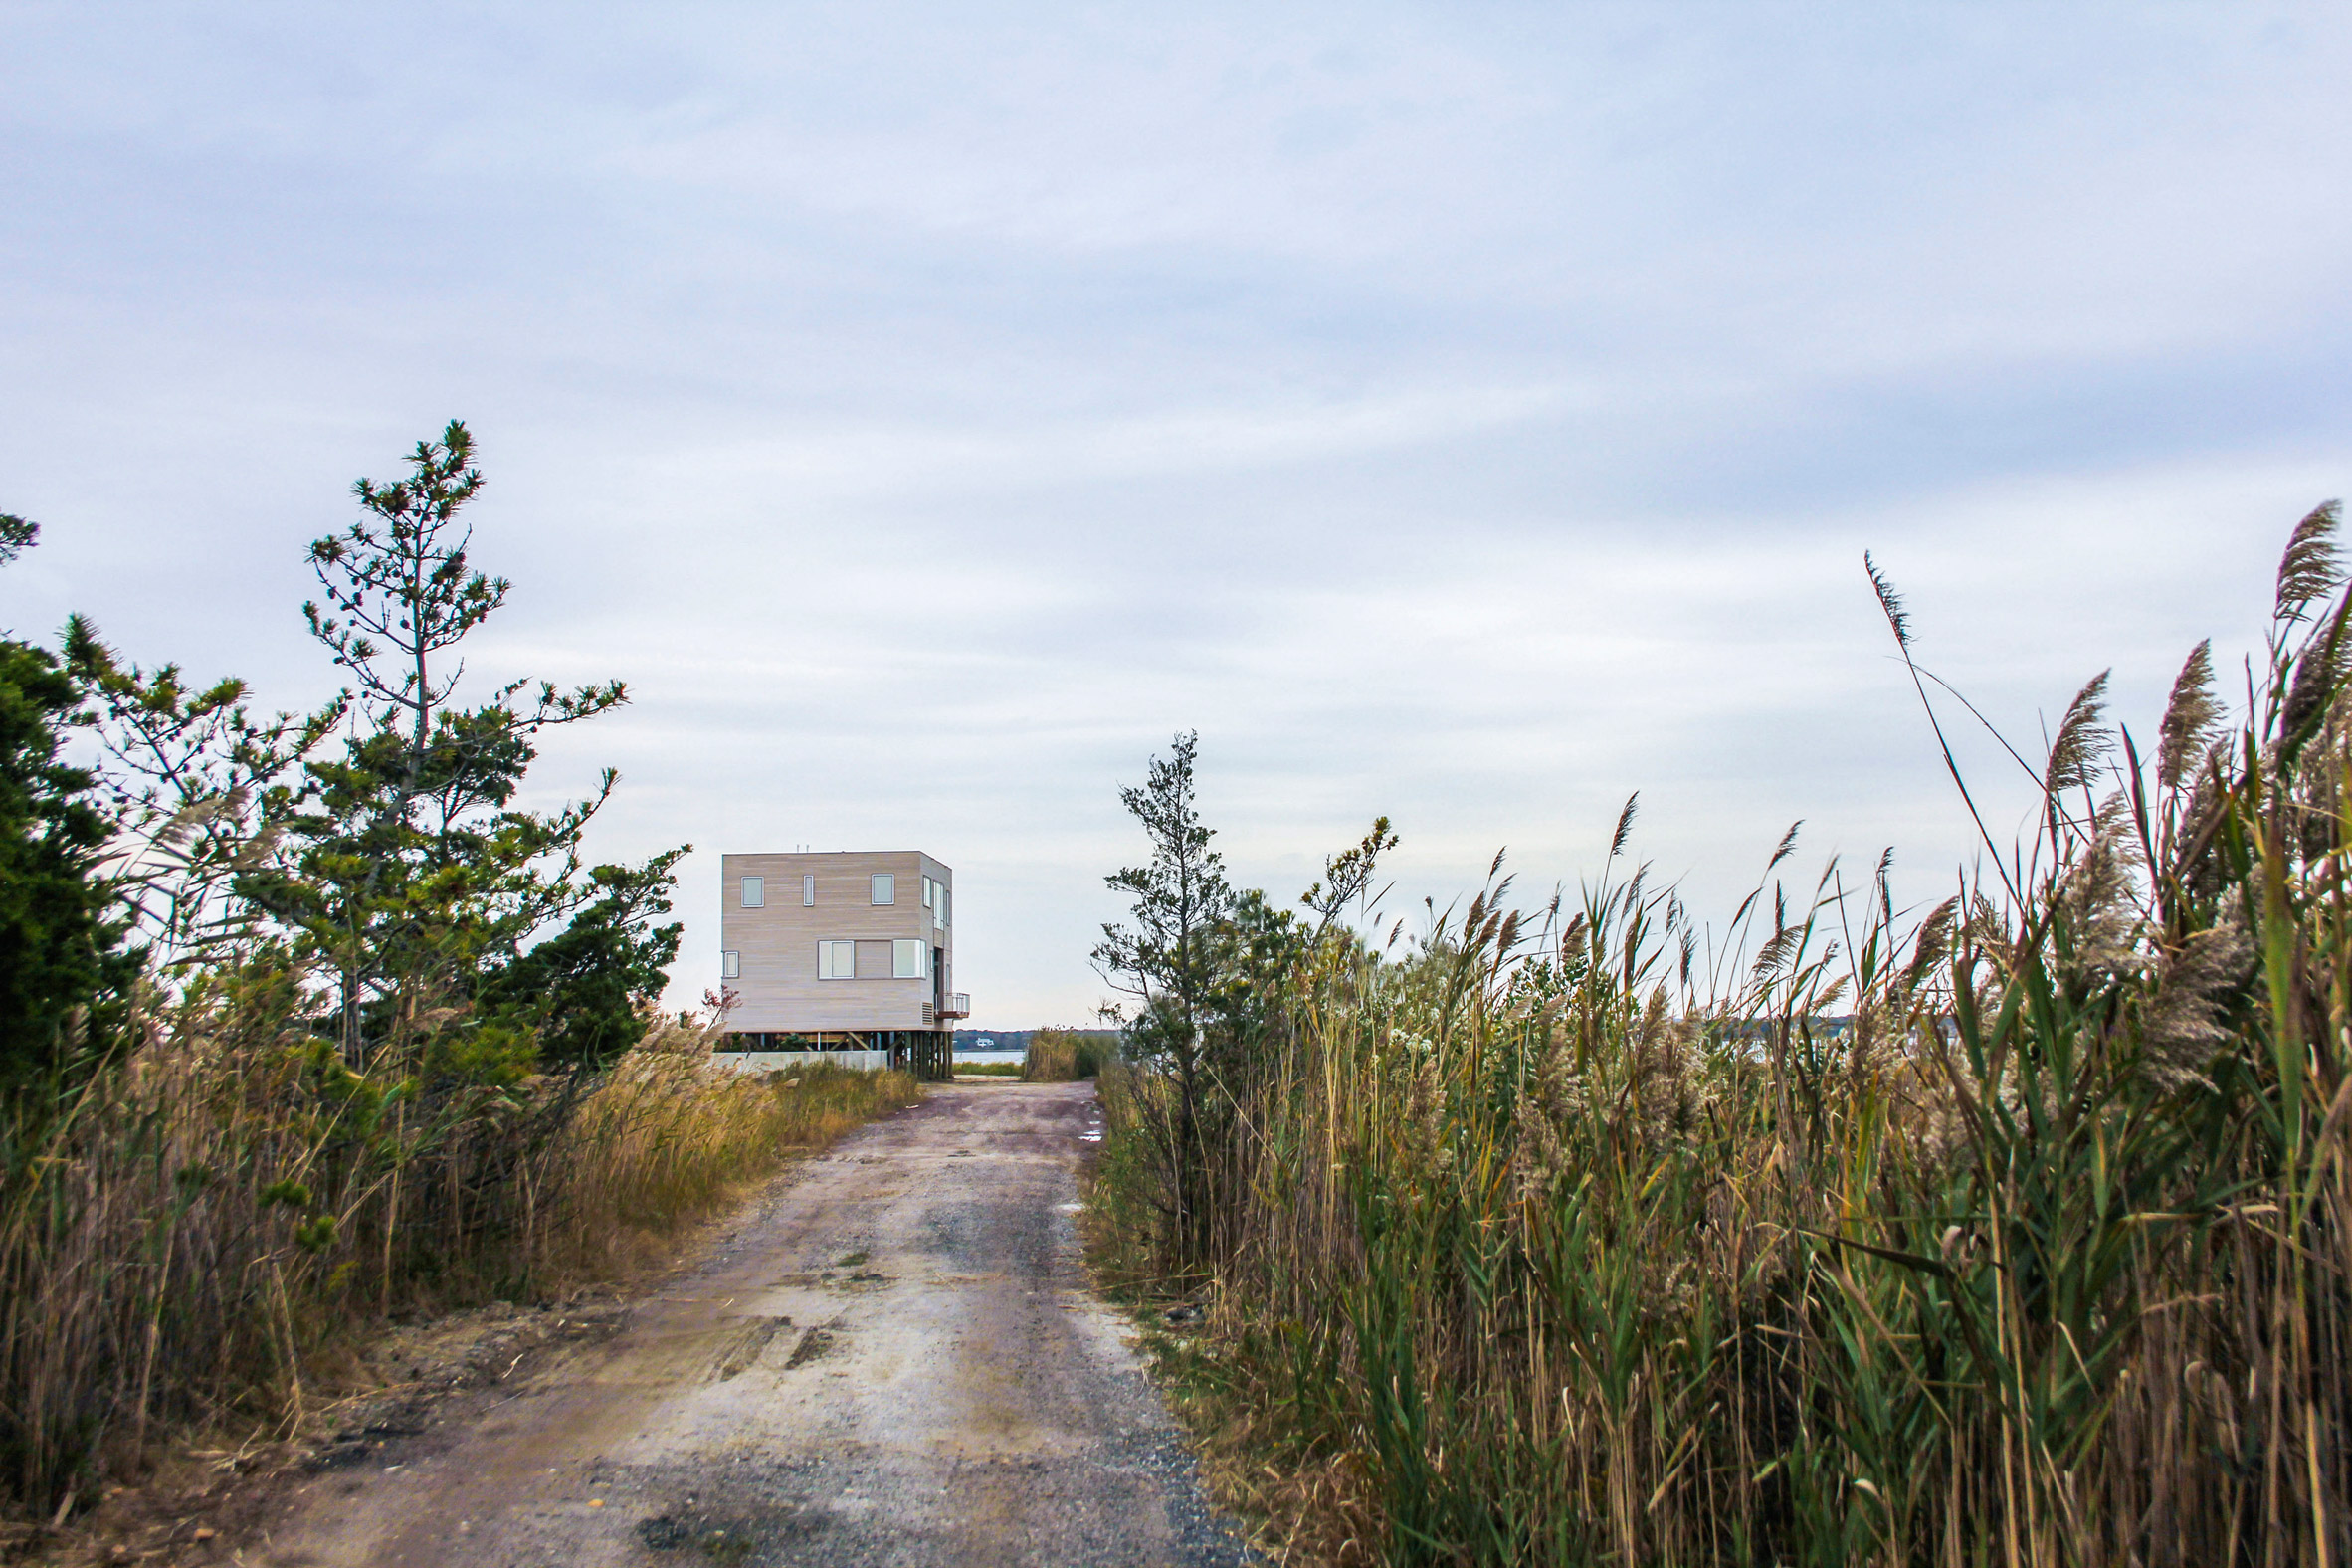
[2019, 1235]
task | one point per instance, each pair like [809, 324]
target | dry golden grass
[673, 1138]
[195, 1242]
[1062, 1055]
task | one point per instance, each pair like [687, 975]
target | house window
[906, 958]
[886, 887]
[808, 889]
[837, 960]
[730, 966]
[943, 904]
[755, 893]
[930, 887]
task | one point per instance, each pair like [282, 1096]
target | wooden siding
[778, 990]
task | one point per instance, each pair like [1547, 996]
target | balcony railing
[959, 1004]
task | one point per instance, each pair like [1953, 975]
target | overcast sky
[1469, 413]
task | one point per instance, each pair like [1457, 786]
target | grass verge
[201, 1243]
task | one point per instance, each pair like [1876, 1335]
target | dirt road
[891, 1358]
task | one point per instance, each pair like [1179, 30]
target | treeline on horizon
[1543, 1238]
[306, 1020]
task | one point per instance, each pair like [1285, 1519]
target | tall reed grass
[191, 1239]
[2016, 1234]
[1064, 1055]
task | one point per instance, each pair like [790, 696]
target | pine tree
[65, 971]
[414, 877]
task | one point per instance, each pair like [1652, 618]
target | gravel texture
[892, 1358]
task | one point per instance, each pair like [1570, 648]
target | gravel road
[890, 1358]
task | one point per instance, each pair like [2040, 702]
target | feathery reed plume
[1898, 620]
[2310, 569]
[2083, 742]
[1932, 943]
[2184, 1024]
[2318, 678]
[1625, 825]
[2192, 719]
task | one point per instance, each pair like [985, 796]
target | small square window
[906, 958]
[808, 889]
[730, 966]
[886, 887]
[755, 893]
[837, 960]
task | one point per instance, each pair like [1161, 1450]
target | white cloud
[1472, 416]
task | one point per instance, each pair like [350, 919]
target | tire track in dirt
[891, 1358]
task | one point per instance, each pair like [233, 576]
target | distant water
[977, 1057]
